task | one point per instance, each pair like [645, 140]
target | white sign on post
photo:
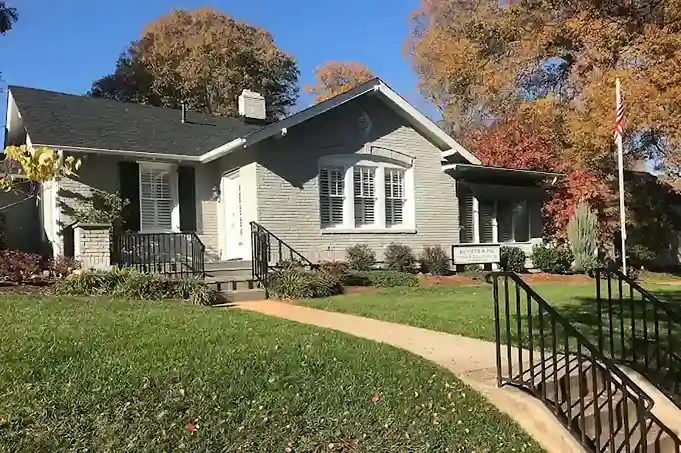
[476, 254]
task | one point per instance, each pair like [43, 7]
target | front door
[235, 239]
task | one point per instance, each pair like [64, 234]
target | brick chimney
[252, 106]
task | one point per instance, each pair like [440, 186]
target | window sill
[369, 231]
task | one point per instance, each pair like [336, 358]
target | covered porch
[497, 207]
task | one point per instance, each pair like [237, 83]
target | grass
[120, 376]
[464, 310]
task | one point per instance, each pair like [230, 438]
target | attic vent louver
[364, 123]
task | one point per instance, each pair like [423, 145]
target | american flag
[619, 123]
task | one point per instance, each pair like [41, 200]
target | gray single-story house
[362, 167]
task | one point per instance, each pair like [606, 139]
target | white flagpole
[620, 159]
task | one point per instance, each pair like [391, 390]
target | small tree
[582, 234]
[35, 165]
[101, 207]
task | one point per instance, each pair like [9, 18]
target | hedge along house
[363, 167]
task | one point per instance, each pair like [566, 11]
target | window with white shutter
[364, 194]
[394, 197]
[331, 195]
[156, 198]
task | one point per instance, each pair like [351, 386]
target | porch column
[495, 223]
[476, 220]
[495, 230]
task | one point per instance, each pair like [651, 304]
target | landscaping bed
[104, 375]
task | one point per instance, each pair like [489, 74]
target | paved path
[473, 361]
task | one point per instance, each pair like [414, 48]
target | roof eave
[119, 152]
[551, 177]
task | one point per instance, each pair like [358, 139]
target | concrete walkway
[473, 361]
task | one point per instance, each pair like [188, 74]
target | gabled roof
[52, 118]
[79, 123]
[376, 86]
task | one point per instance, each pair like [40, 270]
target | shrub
[132, 284]
[360, 257]
[582, 233]
[434, 260]
[399, 257]
[555, 259]
[299, 283]
[63, 266]
[381, 279]
[339, 268]
[474, 271]
[19, 267]
[512, 259]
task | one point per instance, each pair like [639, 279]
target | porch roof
[483, 172]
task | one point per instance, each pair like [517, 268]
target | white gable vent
[364, 123]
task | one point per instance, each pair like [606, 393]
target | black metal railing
[635, 327]
[268, 252]
[541, 352]
[180, 255]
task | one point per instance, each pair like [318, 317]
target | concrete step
[244, 295]
[228, 265]
[224, 284]
[230, 273]
[595, 422]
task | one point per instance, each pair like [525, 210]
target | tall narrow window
[365, 198]
[331, 195]
[156, 199]
[394, 197]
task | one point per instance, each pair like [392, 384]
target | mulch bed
[553, 278]
[429, 280]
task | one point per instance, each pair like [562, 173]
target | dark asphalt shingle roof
[52, 118]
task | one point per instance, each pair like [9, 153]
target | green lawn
[466, 310]
[114, 376]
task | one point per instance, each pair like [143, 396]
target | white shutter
[331, 196]
[394, 197]
[156, 200]
[364, 191]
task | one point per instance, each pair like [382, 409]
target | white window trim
[174, 193]
[348, 163]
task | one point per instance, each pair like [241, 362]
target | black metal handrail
[180, 255]
[637, 328]
[548, 357]
[262, 254]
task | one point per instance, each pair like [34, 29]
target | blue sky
[65, 46]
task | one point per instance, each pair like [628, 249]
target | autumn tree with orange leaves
[517, 142]
[335, 77]
[554, 65]
[480, 62]
[204, 58]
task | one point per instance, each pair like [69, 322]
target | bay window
[365, 194]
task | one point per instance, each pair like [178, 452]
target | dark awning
[499, 175]
[506, 192]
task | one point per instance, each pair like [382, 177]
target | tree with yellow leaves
[556, 63]
[336, 77]
[24, 168]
